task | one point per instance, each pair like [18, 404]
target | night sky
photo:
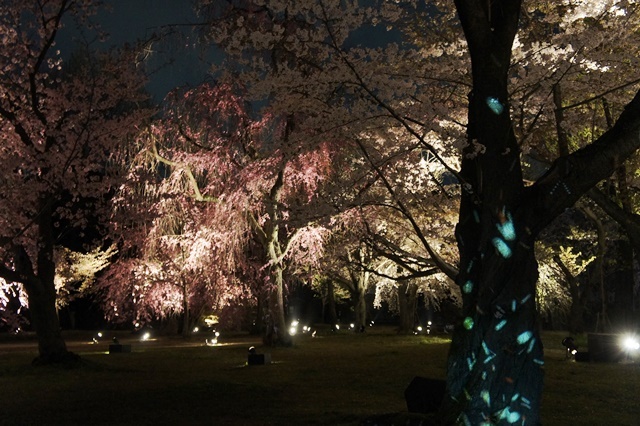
[174, 61]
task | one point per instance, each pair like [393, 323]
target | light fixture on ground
[572, 348]
[214, 340]
[293, 329]
[630, 345]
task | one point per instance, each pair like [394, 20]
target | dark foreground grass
[329, 380]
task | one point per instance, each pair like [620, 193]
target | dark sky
[175, 61]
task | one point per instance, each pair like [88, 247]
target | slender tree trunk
[407, 300]
[331, 304]
[259, 326]
[603, 317]
[358, 285]
[279, 333]
[361, 308]
[578, 299]
[186, 326]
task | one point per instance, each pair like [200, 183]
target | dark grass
[341, 379]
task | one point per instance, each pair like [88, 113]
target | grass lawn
[333, 379]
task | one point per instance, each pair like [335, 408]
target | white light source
[630, 343]
[293, 328]
[146, 336]
[196, 329]
[572, 348]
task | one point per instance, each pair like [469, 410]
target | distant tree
[232, 191]
[299, 59]
[58, 133]
[76, 272]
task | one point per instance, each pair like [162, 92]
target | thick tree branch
[571, 176]
[48, 42]
[629, 221]
[192, 180]
[449, 270]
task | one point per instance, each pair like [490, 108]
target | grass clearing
[338, 379]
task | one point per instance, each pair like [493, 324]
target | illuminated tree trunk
[186, 319]
[407, 300]
[495, 361]
[276, 332]
[579, 298]
[361, 305]
[279, 333]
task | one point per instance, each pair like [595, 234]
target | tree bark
[575, 322]
[331, 304]
[277, 332]
[359, 281]
[496, 357]
[186, 318]
[603, 324]
[361, 303]
[407, 300]
[41, 291]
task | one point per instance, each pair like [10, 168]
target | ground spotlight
[96, 337]
[630, 343]
[145, 336]
[572, 348]
[214, 340]
[293, 328]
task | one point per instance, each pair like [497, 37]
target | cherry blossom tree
[210, 171]
[181, 246]
[58, 129]
[76, 271]
[526, 79]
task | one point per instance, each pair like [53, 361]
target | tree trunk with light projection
[496, 357]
